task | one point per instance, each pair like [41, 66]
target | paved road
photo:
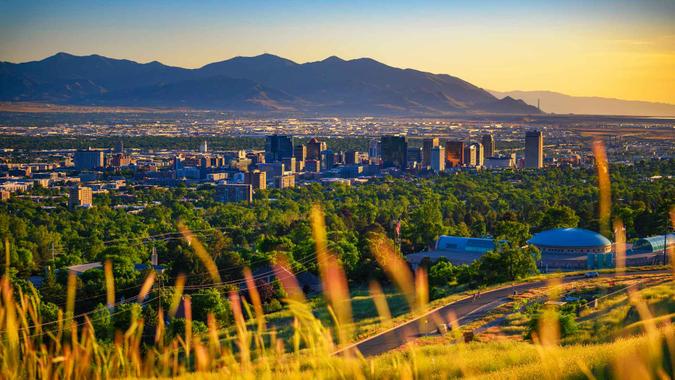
[465, 310]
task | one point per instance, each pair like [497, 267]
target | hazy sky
[622, 49]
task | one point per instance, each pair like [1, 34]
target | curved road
[465, 310]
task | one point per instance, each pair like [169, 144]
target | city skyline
[577, 49]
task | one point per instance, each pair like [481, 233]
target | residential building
[80, 197]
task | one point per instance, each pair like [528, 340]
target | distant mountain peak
[334, 59]
[361, 86]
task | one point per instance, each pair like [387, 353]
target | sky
[610, 48]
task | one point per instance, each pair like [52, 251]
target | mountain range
[554, 102]
[264, 83]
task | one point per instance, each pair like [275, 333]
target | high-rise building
[414, 156]
[314, 148]
[289, 164]
[438, 159]
[286, 181]
[257, 179]
[474, 155]
[204, 147]
[80, 197]
[312, 166]
[351, 157]
[234, 192]
[454, 153]
[427, 146]
[278, 147]
[488, 142]
[534, 149]
[119, 147]
[300, 152]
[394, 151]
[327, 159]
[89, 159]
[480, 154]
[374, 149]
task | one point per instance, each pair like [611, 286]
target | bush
[272, 306]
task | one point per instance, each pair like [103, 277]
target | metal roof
[569, 237]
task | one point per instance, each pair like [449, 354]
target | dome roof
[569, 237]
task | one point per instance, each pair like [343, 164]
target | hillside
[261, 83]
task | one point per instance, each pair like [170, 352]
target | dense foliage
[508, 206]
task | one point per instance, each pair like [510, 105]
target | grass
[300, 341]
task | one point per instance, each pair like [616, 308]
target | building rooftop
[569, 237]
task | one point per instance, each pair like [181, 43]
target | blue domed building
[570, 241]
[571, 248]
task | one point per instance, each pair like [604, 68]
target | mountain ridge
[559, 103]
[262, 83]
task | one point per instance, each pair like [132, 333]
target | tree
[442, 273]
[207, 301]
[559, 217]
[513, 232]
[507, 262]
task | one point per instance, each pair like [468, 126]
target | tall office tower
[374, 149]
[489, 145]
[89, 159]
[414, 156]
[119, 147]
[257, 179]
[327, 159]
[300, 152]
[80, 197]
[480, 154]
[314, 148]
[394, 151]
[204, 147]
[534, 149]
[351, 157]
[454, 153]
[438, 159]
[470, 158]
[427, 146]
[278, 147]
[289, 164]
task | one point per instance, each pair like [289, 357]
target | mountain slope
[565, 104]
[261, 83]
